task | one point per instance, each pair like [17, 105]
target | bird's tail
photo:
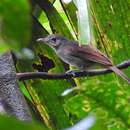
[120, 73]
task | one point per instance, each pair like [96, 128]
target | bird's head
[53, 40]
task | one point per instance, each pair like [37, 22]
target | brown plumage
[83, 57]
[88, 52]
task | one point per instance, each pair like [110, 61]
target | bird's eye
[53, 39]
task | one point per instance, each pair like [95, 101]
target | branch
[12, 99]
[45, 75]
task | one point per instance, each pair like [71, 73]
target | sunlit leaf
[83, 20]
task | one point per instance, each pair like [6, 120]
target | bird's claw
[72, 72]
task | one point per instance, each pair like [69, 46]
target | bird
[83, 57]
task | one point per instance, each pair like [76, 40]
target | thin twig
[45, 75]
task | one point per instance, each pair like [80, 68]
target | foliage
[15, 24]
[17, 125]
[22, 22]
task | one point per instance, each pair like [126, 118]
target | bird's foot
[73, 72]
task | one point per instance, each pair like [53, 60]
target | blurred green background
[104, 22]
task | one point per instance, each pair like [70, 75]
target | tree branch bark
[11, 98]
[45, 75]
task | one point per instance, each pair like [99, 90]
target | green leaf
[15, 24]
[7, 123]
[57, 23]
[70, 11]
[105, 95]
[108, 104]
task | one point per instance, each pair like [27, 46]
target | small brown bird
[83, 57]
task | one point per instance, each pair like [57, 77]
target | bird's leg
[72, 72]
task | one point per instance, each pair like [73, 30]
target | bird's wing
[88, 52]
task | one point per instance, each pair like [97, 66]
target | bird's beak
[42, 39]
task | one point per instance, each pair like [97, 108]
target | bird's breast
[69, 59]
